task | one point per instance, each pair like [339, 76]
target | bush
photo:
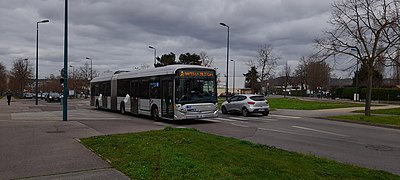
[302, 93]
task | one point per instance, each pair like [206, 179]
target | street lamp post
[73, 78]
[227, 60]
[234, 76]
[91, 68]
[37, 57]
[357, 96]
[357, 74]
[155, 54]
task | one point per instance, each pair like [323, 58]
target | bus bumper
[195, 115]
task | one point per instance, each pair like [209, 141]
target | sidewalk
[36, 144]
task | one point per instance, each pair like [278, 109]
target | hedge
[383, 94]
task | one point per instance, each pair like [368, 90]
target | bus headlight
[181, 108]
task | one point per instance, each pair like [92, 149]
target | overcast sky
[116, 33]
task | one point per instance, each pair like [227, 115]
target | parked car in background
[53, 97]
[246, 104]
[27, 96]
[224, 94]
[43, 95]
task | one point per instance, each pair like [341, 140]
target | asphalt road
[35, 142]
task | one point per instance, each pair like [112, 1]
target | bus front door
[167, 94]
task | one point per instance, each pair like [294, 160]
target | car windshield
[195, 90]
[257, 98]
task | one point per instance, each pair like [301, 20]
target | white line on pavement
[279, 131]
[239, 125]
[236, 118]
[320, 131]
[262, 118]
[291, 117]
[225, 119]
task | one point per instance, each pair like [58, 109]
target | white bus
[173, 92]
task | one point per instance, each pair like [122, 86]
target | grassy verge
[385, 120]
[190, 154]
[393, 111]
[292, 103]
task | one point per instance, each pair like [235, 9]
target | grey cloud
[116, 34]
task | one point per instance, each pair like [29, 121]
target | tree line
[186, 58]
[20, 78]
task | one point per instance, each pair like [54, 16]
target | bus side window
[155, 90]
[142, 90]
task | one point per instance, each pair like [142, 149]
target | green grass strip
[393, 111]
[189, 154]
[386, 120]
[297, 104]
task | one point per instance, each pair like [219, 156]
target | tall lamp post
[234, 76]
[155, 54]
[73, 78]
[37, 57]
[91, 68]
[356, 74]
[227, 60]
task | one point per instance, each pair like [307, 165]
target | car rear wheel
[224, 111]
[245, 112]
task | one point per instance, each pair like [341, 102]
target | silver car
[246, 104]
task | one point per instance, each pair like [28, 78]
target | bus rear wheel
[154, 113]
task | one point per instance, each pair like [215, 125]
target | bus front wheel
[154, 113]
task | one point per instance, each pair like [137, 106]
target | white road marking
[291, 117]
[239, 125]
[225, 119]
[320, 131]
[236, 118]
[262, 118]
[212, 120]
[280, 131]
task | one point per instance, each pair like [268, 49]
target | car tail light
[251, 103]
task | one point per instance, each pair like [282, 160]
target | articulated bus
[173, 92]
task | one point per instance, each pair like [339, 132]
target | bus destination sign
[191, 73]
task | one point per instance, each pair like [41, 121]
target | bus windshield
[195, 90]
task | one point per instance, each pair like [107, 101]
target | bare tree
[365, 30]
[266, 63]
[206, 60]
[20, 75]
[3, 78]
[317, 74]
[300, 74]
